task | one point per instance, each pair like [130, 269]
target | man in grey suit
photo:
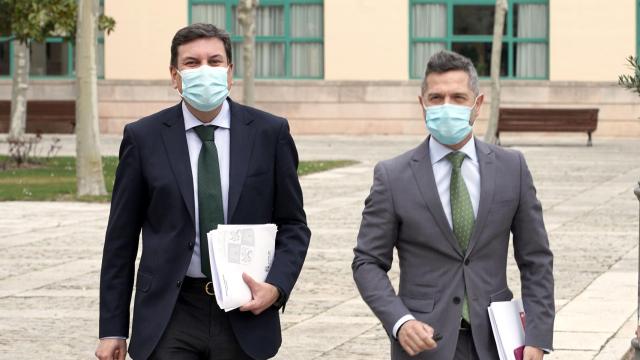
[448, 207]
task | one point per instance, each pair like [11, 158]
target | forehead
[202, 48]
[450, 81]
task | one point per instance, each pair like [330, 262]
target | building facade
[355, 66]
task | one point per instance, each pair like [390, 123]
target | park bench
[548, 120]
[43, 116]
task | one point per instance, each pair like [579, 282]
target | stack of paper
[234, 249]
[508, 322]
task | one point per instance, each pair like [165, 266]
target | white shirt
[222, 137]
[442, 173]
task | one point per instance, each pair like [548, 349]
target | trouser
[465, 349]
[198, 329]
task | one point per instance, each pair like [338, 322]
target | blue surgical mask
[449, 123]
[205, 87]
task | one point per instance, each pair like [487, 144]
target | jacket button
[466, 262]
[191, 244]
[179, 283]
[456, 300]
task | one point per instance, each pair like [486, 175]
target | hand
[111, 349]
[263, 295]
[416, 337]
[532, 353]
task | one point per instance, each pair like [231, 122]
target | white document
[507, 323]
[234, 249]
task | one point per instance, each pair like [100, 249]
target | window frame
[508, 39]
[71, 74]
[286, 38]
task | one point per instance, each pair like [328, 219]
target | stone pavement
[50, 254]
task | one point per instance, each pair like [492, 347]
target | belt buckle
[206, 288]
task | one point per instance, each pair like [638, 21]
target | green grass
[54, 179]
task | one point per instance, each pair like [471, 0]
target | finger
[407, 347]
[421, 339]
[249, 281]
[412, 343]
[250, 306]
[102, 355]
[257, 311]
[428, 329]
[121, 354]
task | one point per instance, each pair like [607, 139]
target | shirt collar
[438, 151]
[223, 119]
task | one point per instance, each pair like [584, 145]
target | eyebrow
[213, 57]
[189, 58]
[441, 94]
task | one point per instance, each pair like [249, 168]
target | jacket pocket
[143, 281]
[502, 295]
[424, 305]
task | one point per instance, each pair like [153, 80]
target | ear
[176, 80]
[421, 103]
[476, 110]
[229, 76]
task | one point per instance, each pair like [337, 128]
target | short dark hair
[444, 61]
[198, 31]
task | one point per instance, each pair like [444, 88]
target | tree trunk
[496, 55]
[90, 179]
[247, 18]
[20, 85]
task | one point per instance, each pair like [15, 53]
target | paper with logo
[235, 249]
[508, 323]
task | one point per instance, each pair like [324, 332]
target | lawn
[55, 178]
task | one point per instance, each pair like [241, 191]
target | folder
[238, 249]
[508, 324]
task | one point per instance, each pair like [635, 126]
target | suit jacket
[404, 211]
[153, 193]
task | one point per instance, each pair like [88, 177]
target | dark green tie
[461, 211]
[210, 212]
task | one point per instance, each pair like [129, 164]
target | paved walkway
[50, 255]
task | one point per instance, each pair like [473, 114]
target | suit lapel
[175, 142]
[241, 144]
[486, 159]
[423, 173]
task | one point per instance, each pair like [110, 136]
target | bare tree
[247, 18]
[90, 179]
[496, 55]
[19, 87]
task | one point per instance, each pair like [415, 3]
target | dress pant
[198, 329]
[465, 349]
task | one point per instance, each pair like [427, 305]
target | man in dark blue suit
[183, 171]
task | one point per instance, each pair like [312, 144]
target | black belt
[199, 286]
[464, 325]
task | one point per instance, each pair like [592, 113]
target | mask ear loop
[475, 102]
[178, 91]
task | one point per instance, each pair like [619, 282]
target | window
[55, 57]
[466, 27]
[5, 56]
[51, 58]
[289, 35]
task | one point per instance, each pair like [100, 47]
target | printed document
[508, 323]
[234, 249]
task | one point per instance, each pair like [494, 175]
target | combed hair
[199, 31]
[444, 61]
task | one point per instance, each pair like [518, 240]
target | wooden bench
[43, 116]
[543, 120]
